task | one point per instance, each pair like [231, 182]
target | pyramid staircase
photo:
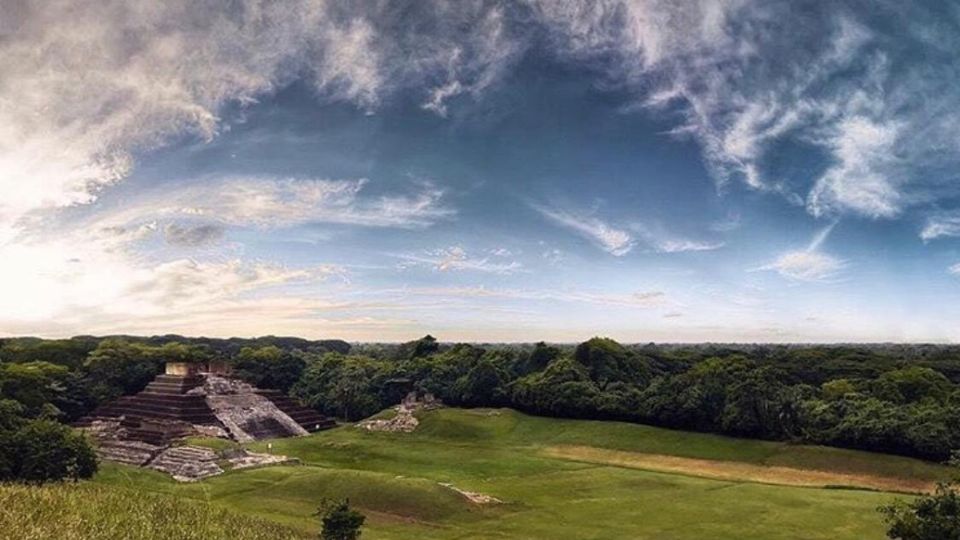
[187, 463]
[308, 418]
[163, 412]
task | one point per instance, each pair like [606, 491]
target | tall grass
[82, 512]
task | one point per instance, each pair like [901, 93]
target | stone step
[128, 452]
[187, 463]
[191, 452]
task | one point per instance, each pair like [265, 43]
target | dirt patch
[735, 471]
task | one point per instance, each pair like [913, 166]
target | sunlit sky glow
[739, 170]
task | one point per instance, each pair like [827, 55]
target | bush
[339, 521]
[44, 451]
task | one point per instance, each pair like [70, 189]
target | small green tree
[45, 451]
[339, 521]
[930, 517]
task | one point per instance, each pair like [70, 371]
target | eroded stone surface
[250, 459]
[127, 452]
[404, 421]
[187, 463]
[246, 415]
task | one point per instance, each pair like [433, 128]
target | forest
[899, 399]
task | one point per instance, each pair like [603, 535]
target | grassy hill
[560, 478]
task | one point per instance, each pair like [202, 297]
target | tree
[420, 348]
[916, 384]
[45, 451]
[268, 367]
[608, 361]
[481, 386]
[930, 517]
[540, 357]
[117, 367]
[339, 521]
[345, 386]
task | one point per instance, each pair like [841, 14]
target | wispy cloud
[643, 299]
[665, 242]
[853, 95]
[88, 86]
[808, 264]
[283, 202]
[619, 241]
[455, 259]
[939, 226]
[615, 241]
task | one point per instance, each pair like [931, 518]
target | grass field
[557, 479]
[81, 512]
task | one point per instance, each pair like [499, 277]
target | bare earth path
[735, 471]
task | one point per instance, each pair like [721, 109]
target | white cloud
[954, 269]
[761, 80]
[455, 259]
[939, 226]
[617, 242]
[83, 272]
[860, 181]
[642, 299]
[665, 242]
[90, 84]
[620, 241]
[808, 264]
[272, 202]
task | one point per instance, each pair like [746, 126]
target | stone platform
[144, 429]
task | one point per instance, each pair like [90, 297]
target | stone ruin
[146, 429]
[404, 421]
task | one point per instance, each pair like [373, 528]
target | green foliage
[608, 361]
[268, 367]
[563, 389]
[538, 359]
[482, 385]
[929, 517]
[338, 521]
[117, 367]
[70, 353]
[837, 389]
[40, 451]
[898, 399]
[420, 348]
[914, 384]
[344, 386]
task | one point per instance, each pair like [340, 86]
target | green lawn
[395, 479]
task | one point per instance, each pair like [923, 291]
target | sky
[716, 170]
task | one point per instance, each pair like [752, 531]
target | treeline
[871, 398]
[900, 399]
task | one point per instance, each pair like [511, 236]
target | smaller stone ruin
[404, 421]
[196, 400]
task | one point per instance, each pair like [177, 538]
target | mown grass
[395, 479]
[84, 511]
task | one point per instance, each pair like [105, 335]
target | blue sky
[484, 171]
